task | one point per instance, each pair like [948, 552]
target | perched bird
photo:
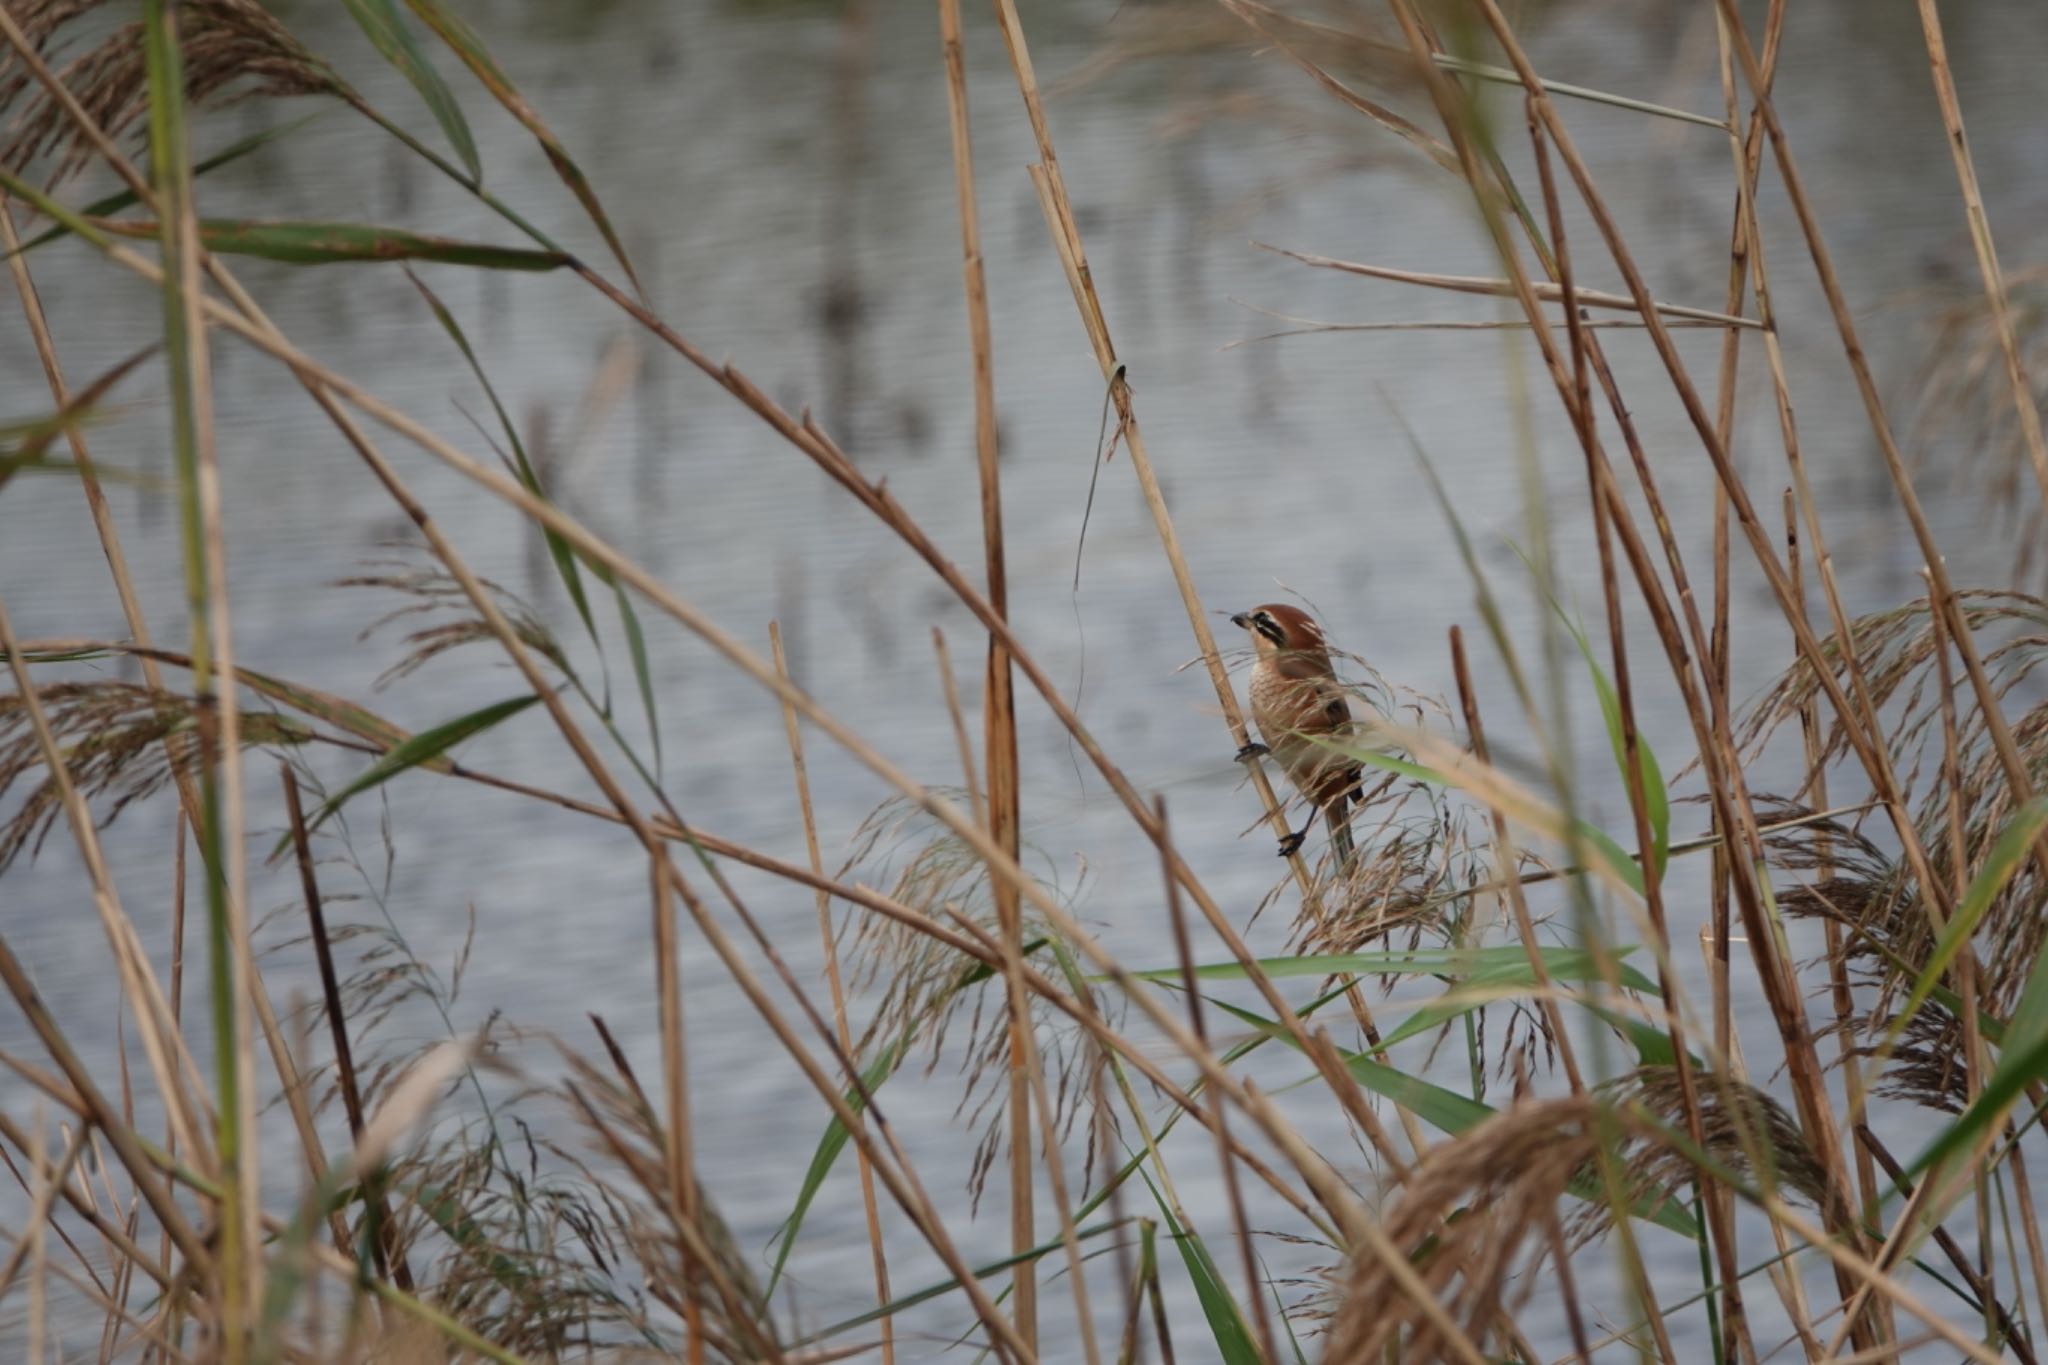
[1296, 700]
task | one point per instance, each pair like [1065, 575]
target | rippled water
[788, 196]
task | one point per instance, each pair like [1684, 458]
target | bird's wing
[1336, 705]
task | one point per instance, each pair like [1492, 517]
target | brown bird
[1296, 700]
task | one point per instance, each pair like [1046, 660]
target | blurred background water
[781, 173]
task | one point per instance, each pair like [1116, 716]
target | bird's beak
[1242, 620]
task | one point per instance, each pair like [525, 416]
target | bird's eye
[1269, 628]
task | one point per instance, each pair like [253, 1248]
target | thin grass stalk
[185, 347]
[1747, 153]
[830, 944]
[38, 1300]
[999, 698]
[1254, 1291]
[1839, 995]
[1995, 295]
[1976, 1060]
[977, 804]
[1063, 1206]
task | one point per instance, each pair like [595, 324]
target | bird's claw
[1252, 751]
[1292, 843]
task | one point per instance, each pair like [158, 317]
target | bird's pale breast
[1285, 709]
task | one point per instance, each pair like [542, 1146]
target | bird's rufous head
[1278, 628]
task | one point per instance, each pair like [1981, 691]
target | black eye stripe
[1269, 628]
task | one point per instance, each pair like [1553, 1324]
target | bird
[1296, 700]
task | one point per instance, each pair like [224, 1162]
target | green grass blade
[643, 675]
[830, 1145]
[387, 31]
[1234, 1344]
[464, 42]
[422, 749]
[345, 243]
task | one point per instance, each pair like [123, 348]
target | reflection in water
[783, 175]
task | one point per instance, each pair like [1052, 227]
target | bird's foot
[1252, 751]
[1291, 845]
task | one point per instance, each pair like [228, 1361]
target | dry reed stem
[1543, 290]
[977, 804]
[830, 944]
[999, 698]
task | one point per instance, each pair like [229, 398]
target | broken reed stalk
[830, 944]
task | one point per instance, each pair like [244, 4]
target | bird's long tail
[1340, 833]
